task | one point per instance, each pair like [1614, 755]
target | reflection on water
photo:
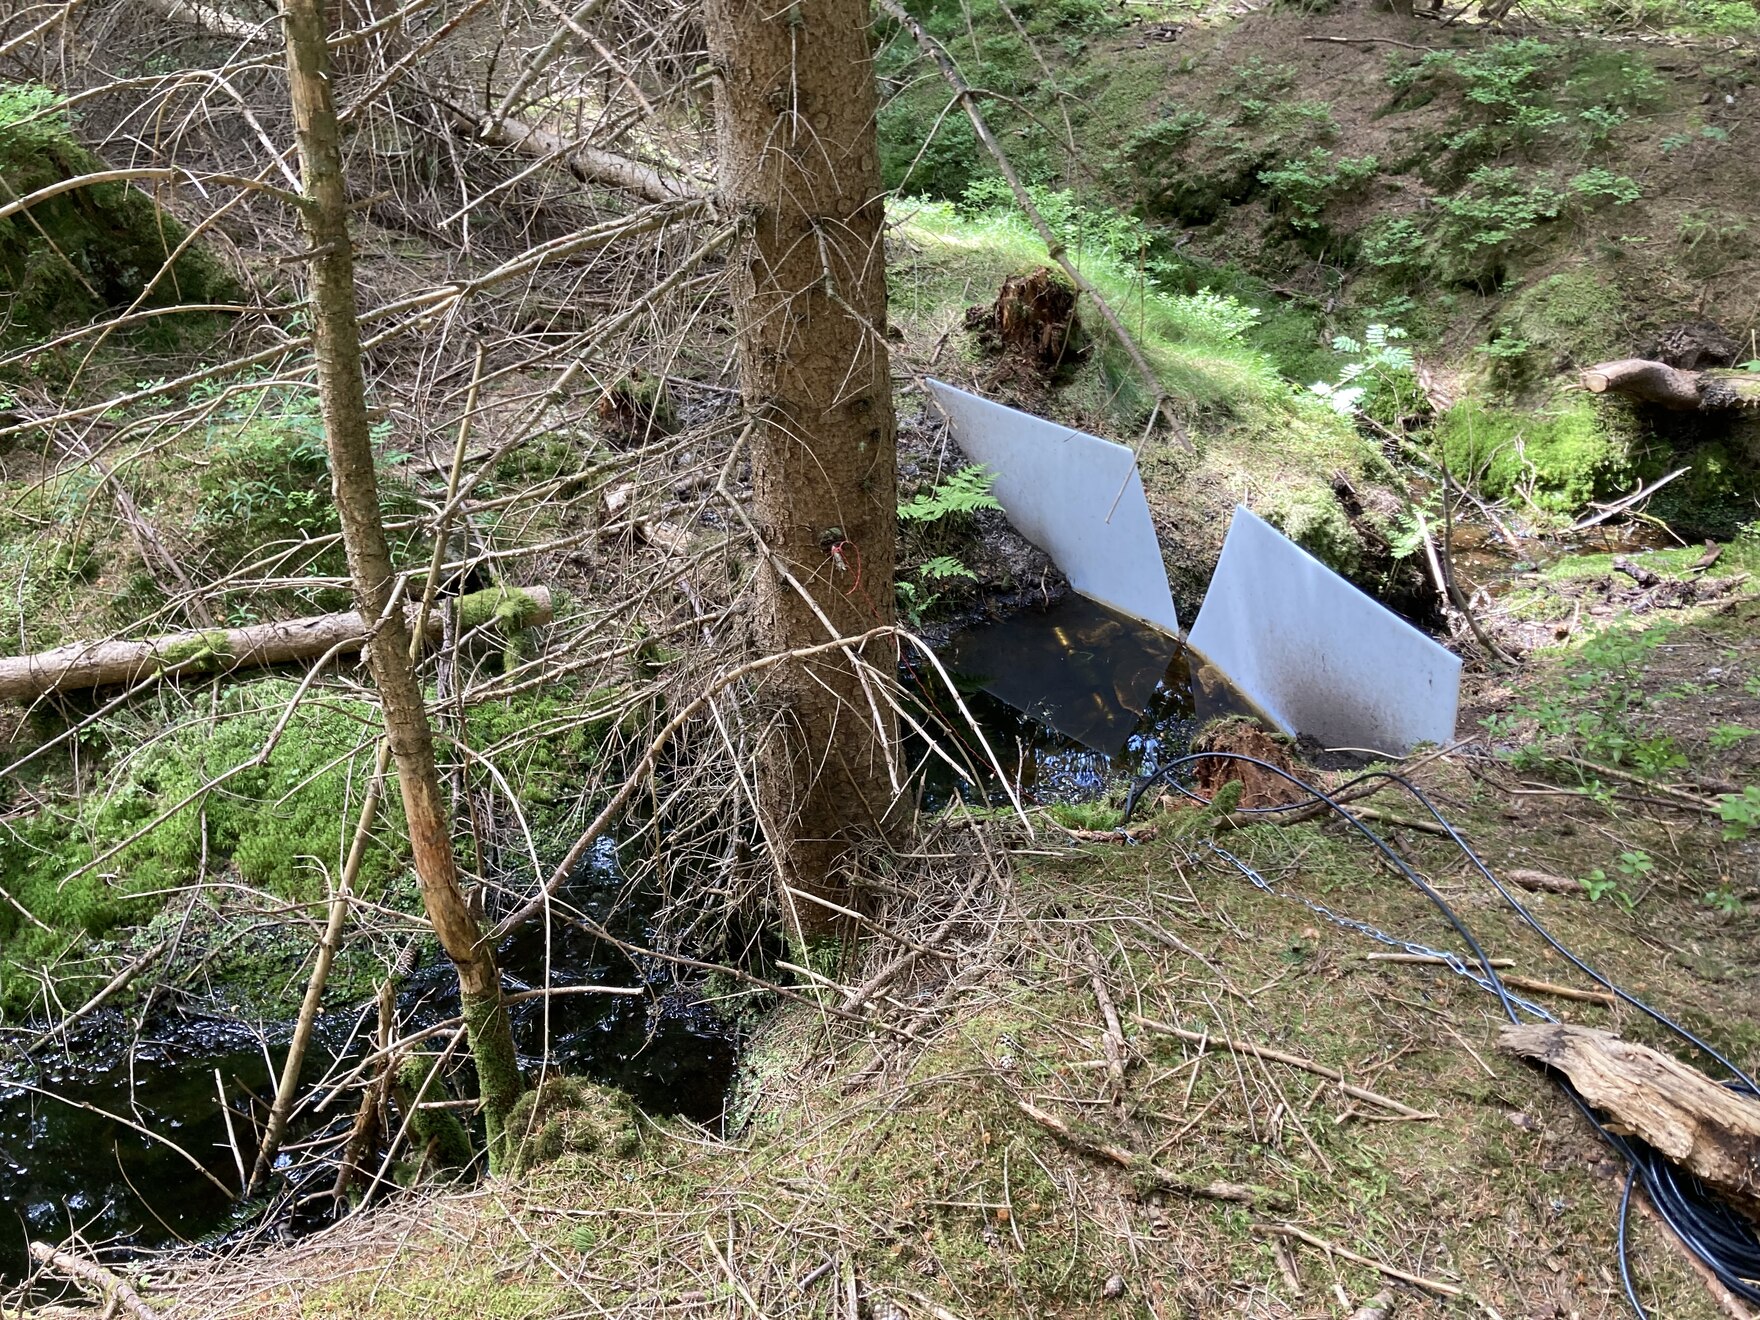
[1071, 699]
[63, 1167]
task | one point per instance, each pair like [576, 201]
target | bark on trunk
[221, 650]
[800, 167]
[342, 397]
[1673, 387]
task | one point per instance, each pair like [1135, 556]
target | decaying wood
[1708, 1129]
[1034, 316]
[115, 1290]
[101, 664]
[1543, 882]
[1673, 387]
[589, 164]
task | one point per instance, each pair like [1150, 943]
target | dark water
[1072, 700]
[64, 1168]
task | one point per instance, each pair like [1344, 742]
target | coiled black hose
[1721, 1239]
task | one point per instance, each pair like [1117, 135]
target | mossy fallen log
[101, 664]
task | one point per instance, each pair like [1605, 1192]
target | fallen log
[1710, 1130]
[1673, 387]
[221, 650]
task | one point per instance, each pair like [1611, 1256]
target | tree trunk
[342, 398]
[799, 165]
[1673, 387]
[221, 650]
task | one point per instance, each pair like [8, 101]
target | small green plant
[1381, 383]
[1398, 248]
[1724, 899]
[1600, 885]
[1302, 188]
[1598, 123]
[1726, 736]
[960, 494]
[1635, 864]
[1484, 219]
[1740, 813]
[1709, 133]
[1604, 185]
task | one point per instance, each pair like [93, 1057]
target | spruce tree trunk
[342, 398]
[800, 167]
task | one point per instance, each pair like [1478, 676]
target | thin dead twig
[115, 1290]
[1293, 1060]
[1161, 1180]
[1379, 1266]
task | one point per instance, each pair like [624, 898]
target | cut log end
[1673, 387]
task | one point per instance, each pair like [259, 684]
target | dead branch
[115, 1290]
[98, 664]
[116, 983]
[1379, 1266]
[210, 18]
[1709, 1129]
[1293, 1060]
[589, 164]
[1159, 1179]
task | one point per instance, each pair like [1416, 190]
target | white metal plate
[1316, 654]
[1077, 497]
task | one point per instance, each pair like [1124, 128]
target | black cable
[1705, 1224]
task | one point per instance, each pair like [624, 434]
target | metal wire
[1721, 1239]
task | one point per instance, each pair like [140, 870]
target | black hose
[1722, 1240]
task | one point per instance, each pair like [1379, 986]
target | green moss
[1565, 321]
[1314, 519]
[500, 1083]
[90, 250]
[279, 826]
[508, 608]
[195, 650]
[1556, 459]
[568, 1116]
[436, 1135]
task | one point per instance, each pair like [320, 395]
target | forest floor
[920, 1167]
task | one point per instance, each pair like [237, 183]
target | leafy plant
[1600, 885]
[1635, 864]
[1381, 383]
[944, 568]
[960, 494]
[1726, 736]
[1605, 185]
[1725, 900]
[1303, 187]
[1740, 813]
[1495, 208]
